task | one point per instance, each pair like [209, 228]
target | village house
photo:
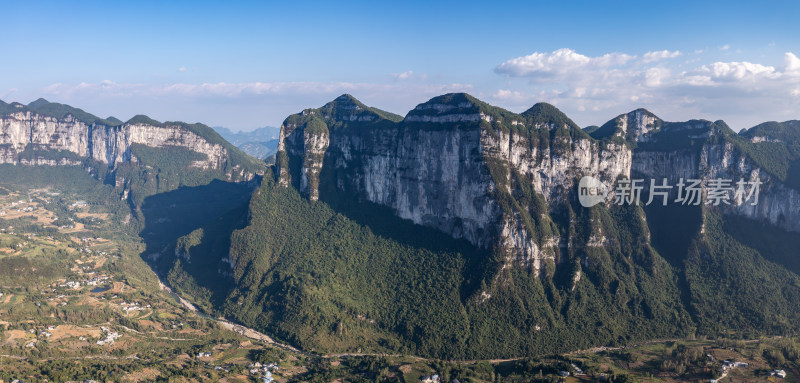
[779, 373]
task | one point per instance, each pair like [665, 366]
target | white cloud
[239, 105]
[409, 75]
[241, 89]
[725, 47]
[105, 87]
[591, 89]
[559, 62]
[182, 69]
[504, 94]
[659, 55]
[739, 71]
[791, 62]
[655, 76]
[404, 75]
[610, 59]
[742, 92]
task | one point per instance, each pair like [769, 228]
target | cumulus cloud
[182, 69]
[739, 71]
[742, 91]
[659, 55]
[559, 62]
[791, 62]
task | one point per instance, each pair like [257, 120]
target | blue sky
[248, 64]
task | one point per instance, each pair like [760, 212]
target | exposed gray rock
[445, 165]
[73, 140]
[433, 168]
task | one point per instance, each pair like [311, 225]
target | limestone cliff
[451, 164]
[464, 167]
[44, 133]
[708, 150]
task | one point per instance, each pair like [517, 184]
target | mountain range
[140, 157]
[260, 143]
[457, 230]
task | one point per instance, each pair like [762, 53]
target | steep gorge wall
[105, 144]
[453, 164]
[434, 168]
[717, 157]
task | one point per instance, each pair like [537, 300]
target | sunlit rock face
[110, 150]
[446, 164]
[453, 163]
[106, 144]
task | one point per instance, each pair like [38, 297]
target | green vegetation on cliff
[342, 274]
[335, 280]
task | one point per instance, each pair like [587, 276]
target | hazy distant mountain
[259, 143]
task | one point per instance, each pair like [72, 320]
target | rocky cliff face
[447, 163]
[105, 144]
[463, 167]
[28, 137]
[712, 152]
